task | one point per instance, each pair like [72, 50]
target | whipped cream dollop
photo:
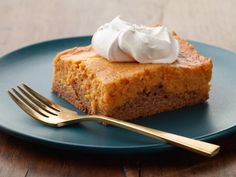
[121, 41]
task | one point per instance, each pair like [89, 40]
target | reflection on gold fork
[50, 113]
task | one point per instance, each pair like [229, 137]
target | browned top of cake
[108, 71]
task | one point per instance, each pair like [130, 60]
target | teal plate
[33, 65]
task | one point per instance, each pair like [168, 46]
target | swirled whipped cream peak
[121, 41]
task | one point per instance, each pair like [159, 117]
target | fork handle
[204, 148]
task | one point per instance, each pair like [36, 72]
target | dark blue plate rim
[76, 146]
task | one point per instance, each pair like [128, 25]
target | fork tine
[46, 101]
[26, 108]
[37, 102]
[37, 109]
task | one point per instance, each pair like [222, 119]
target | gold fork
[50, 113]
